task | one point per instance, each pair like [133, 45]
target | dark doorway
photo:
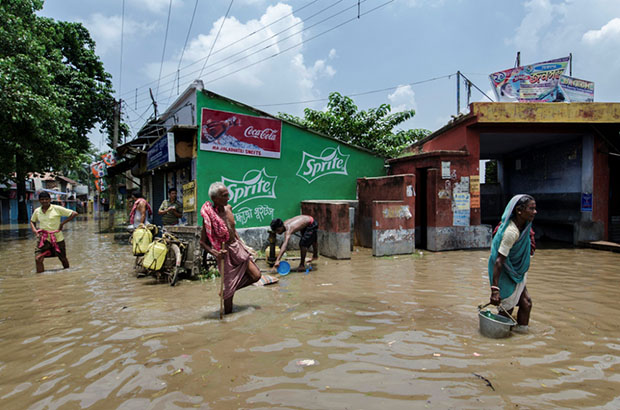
[159, 194]
[421, 204]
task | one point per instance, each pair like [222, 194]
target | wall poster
[232, 133]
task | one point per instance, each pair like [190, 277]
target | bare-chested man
[307, 227]
[218, 228]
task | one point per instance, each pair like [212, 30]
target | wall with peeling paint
[391, 188]
[393, 230]
[334, 233]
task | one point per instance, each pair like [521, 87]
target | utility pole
[458, 93]
[112, 192]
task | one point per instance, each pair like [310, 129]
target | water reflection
[367, 333]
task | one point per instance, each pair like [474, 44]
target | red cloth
[532, 238]
[215, 227]
[135, 206]
[48, 234]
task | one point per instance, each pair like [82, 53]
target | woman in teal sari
[510, 259]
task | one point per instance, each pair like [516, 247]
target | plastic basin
[284, 268]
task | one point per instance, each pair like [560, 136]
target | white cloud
[106, 30]
[332, 54]
[539, 15]
[282, 78]
[156, 6]
[610, 32]
[403, 98]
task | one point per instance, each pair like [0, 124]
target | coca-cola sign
[255, 184]
[331, 161]
[233, 133]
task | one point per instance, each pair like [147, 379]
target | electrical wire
[189, 30]
[271, 45]
[120, 70]
[300, 43]
[279, 40]
[359, 93]
[476, 87]
[163, 52]
[274, 44]
[216, 37]
[146, 85]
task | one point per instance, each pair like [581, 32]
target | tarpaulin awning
[51, 191]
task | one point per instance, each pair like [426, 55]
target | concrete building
[567, 155]
[269, 165]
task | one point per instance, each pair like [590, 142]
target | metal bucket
[494, 326]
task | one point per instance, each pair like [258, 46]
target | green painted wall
[280, 174]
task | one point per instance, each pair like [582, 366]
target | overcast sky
[275, 52]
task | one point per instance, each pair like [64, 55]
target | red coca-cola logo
[264, 134]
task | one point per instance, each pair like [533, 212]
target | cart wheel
[139, 270]
[175, 276]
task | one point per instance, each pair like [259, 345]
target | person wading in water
[510, 259]
[50, 240]
[219, 227]
[307, 228]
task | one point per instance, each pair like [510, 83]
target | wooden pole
[221, 268]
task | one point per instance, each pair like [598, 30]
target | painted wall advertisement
[461, 202]
[474, 190]
[541, 82]
[303, 165]
[233, 133]
[189, 197]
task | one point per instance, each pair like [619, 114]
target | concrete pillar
[393, 230]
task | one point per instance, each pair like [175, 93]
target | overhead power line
[301, 42]
[163, 52]
[359, 93]
[193, 73]
[476, 87]
[216, 36]
[150, 83]
[189, 30]
[120, 70]
[279, 42]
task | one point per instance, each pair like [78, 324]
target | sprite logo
[255, 184]
[331, 161]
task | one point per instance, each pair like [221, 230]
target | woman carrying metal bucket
[510, 259]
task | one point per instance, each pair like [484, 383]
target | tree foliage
[54, 90]
[372, 129]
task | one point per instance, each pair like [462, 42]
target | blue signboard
[586, 202]
[161, 152]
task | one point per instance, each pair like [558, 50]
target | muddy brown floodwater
[369, 333]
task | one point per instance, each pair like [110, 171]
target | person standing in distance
[171, 209]
[50, 239]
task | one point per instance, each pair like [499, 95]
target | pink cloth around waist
[236, 262]
[45, 235]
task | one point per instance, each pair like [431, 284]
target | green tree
[54, 91]
[372, 129]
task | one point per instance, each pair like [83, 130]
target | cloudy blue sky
[401, 52]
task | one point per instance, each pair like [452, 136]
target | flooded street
[369, 333]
